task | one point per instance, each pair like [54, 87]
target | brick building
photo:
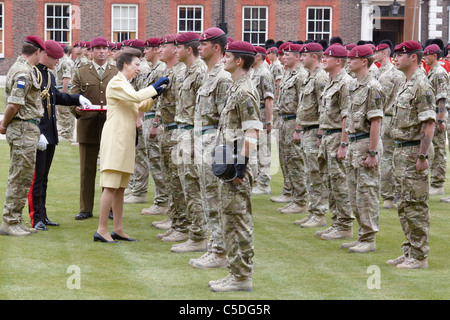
[253, 20]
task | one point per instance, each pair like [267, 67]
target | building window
[58, 22]
[255, 25]
[124, 22]
[319, 23]
[190, 19]
[2, 50]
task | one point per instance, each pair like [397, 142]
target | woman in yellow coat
[117, 147]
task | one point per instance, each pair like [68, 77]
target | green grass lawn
[290, 262]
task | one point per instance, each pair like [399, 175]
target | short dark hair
[248, 59]
[221, 41]
[67, 50]
[29, 49]
[194, 46]
[127, 56]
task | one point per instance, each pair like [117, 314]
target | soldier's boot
[25, 228]
[203, 257]
[348, 245]
[261, 190]
[389, 204]
[162, 225]
[282, 198]
[165, 234]
[305, 219]
[216, 282]
[413, 263]
[315, 222]
[12, 229]
[436, 191]
[190, 246]
[294, 208]
[445, 200]
[397, 261]
[135, 199]
[363, 247]
[176, 236]
[127, 191]
[233, 284]
[213, 261]
[337, 235]
[321, 232]
[155, 210]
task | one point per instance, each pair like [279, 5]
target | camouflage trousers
[138, 183]
[262, 173]
[387, 181]
[66, 122]
[238, 229]
[318, 194]
[287, 185]
[334, 178]
[209, 184]
[412, 202]
[291, 154]
[174, 181]
[363, 186]
[22, 138]
[153, 154]
[438, 165]
[188, 169]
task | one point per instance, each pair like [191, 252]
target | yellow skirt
[114, 179]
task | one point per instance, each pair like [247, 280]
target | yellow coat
[117, 146]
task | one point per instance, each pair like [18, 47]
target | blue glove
[161, 81]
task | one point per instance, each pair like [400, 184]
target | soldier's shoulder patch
[21, 82]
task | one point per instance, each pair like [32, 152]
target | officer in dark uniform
[48, 140]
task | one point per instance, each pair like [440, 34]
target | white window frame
[129, 31]
[2, 30]
[187, 19]
[321, 32]
[61, 4]
[251, 20]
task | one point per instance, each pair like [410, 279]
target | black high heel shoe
[115, 236]
[98, 237]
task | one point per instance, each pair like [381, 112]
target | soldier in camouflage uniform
[209, 104]
[21, 126]
[306, 134]
[275, 68]
[334, 143]
[187, 45]
[263, 81]
[153, 144]
[391, 81]
[290, 154]
[64, 73]
[166, 110]
[80, 59]
[363, 126]
[439, 80]
[239, 125]
[413, 129]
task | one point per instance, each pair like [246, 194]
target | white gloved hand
[43, 142]
[85, 103]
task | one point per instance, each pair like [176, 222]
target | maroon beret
[381, 46]
[312, 47]
[293, 47]
[362, 51]
[241, 47]
[86, 44]
[272, 49]
[77, 44]
[62, 45]
[284, 45]
[432, 49]
[211, 34]
[260, 50]
[230, 39]
[170, 38]
[350, 46]
[36, 41]
[116, 46]
[136, 43]
[408, 46]
[99, 42]
[186, 37]
[336, 51]
[54, 49]
[152, 42]
[126, 43]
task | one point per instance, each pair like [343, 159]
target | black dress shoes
[48, 222]
[40, 226]
[115, 236]
[98, 237]
[83, 215]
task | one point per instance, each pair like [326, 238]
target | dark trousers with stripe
[38, 192]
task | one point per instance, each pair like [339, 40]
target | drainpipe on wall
[223, 25]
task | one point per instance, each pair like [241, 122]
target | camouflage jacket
[263, 81]
[290, 89]
[64, 69]
[391, 81]
[439, 80]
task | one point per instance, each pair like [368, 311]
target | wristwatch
[372, 153]
[298, 130]
[440, 121]
[155, 124]
[423, 156]
[344, 144]
[268, 123]
[319, 136]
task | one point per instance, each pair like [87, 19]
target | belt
[203, 130]
[358, 136]
[307, 128]
[149, 115]
[34, 121]
[327, 132]
[170, 126]
[287, 117]
[185, 126]
[401, 144]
